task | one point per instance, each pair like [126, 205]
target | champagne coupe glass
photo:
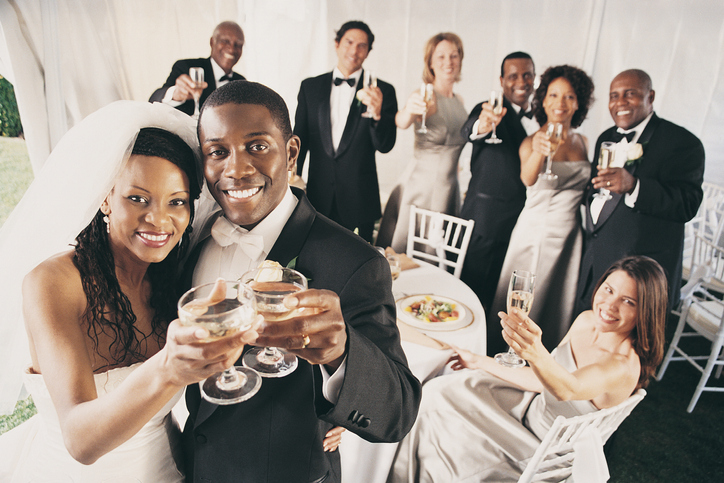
[395, 267]
[520, 296]
[222, 309]
[270, 286]
[197, 76]
[426, 93]
[605, 156]
[369, 80]
[496, 100]
[554, 131]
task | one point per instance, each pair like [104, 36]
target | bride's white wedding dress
[35, 452]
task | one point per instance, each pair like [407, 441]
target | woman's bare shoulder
[56, 278]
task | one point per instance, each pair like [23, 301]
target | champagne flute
[426, 93]
[520, 296]
[271, 285]
[222, 309]
[395, 267]
[554, 131]
[605, 156]
[197, 76]
[369, 80]
[496, 101]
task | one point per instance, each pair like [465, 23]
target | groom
[352, 371]
[655, 183]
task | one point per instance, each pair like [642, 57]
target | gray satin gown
[430, 181]
[547, 241]
[474, 427]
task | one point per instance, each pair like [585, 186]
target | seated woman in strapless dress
[105, 365]
[484, 424]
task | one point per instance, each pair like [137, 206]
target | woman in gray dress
[547, 238]
[485, 424]
[430, 180]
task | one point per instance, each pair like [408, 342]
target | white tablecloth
[364, 462]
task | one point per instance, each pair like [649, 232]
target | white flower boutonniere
[634, 154]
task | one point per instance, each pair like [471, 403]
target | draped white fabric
[67, 58]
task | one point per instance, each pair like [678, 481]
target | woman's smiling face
[615, 304]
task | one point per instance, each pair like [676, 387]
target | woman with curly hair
[547, 239]
[105, 368]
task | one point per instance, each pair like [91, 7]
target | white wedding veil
[61, 201]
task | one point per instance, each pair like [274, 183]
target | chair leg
[715, 350]
[674, 342]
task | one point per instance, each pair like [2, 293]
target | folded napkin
[406, 262]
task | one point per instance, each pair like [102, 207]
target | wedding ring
[608, 183]
[305, 341]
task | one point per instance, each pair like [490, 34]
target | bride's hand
[522, 334]
[462, 359]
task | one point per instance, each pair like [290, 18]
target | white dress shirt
[218, 74]
[340, 101]
[231, 262]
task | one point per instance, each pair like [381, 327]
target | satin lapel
[295, 232]
[323, 92]
[353, 118]
[209, 76]
[513, 123]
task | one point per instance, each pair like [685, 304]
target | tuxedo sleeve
[672, 189]
[384, 131]
[467, 128]
[380, 396]
[301, 127]
[179, 67]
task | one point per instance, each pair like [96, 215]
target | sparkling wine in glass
[223, 309]
[554, 132]
[426, 91]
[369, 80]
[395, 267]
[520, 296]
[197, 76]
[605, 157]
[271, 285]
[496, 101]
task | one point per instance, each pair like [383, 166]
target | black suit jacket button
[354, 416]
[200, 438]
[364, 422]
[595, 235]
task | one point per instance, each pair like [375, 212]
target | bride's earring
[107, 221]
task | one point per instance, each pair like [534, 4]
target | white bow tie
[225, 233]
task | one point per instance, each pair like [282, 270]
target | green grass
[15, 173]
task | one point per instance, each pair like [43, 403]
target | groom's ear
[293, 148]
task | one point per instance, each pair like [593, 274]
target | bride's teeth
[155, 238]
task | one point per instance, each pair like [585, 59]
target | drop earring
[107, 221]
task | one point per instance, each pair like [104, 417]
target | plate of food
[433, 312]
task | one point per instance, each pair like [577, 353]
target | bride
[105, 367]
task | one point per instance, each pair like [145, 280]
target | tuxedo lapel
[353, 118]
[295, 231]
[324, 91]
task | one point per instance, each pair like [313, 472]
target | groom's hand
[317, 334]
[617, 180]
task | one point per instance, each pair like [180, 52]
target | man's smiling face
[246, 160]
[630, 100]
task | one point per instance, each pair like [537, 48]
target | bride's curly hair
[108, 309]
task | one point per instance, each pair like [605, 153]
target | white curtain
[67, 58]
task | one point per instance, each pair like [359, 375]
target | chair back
[556, 453]
[439, 238]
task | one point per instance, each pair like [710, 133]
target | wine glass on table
[605, 156]
[270, 286]
[395, 265]
[426, 94]
[554, 132]
[222, 309]
[369, 80]
[496, 102]
[520, 296]
[197, 77]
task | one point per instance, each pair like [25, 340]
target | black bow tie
[338, 81]
[618, 136]
[227, 77]
[522, 114]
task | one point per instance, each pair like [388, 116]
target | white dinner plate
[465, 316]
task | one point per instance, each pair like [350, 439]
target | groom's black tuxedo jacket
[347, 176]
[670, 174]
[276, 436]
[182, 67]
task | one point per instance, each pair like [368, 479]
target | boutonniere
[634, 154]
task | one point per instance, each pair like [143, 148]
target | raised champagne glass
[197, 77]
[222, 309]
[520, 296]
[369, 80]
[271, 285]
[554, 132]
[605, 157]
[426, 91]
[496, 102]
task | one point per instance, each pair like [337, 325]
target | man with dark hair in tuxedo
[227, 43]
[496, 195]
[342, 182]
[351, 370]
[655, 184]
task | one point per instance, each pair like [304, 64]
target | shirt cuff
[630, 199]
[168, 97]
[474, 136]
[332, 384]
